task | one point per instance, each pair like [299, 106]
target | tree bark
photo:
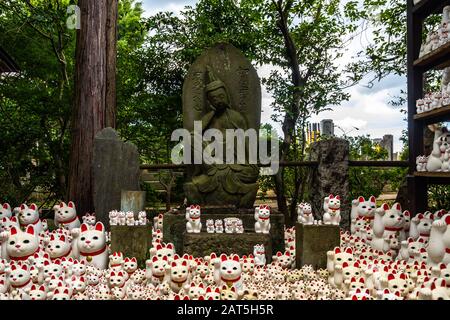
[94, 107]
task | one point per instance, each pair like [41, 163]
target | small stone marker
[312, 243]
[115, 168]
[132, 201]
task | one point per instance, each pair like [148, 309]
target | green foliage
[368, 181]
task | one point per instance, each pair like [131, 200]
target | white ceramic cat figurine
[333, 213]
[262, 218]
[210, 226]
[58, 247]
[440, 145]
[30, 216]
[228, 271]
[193, 224]
[129, 216]
[421, 163]
[66, 216]
[89, 245]
[304, 211]
[388, 221]
[259, 252]
[362, 208]
[19, 245]
[218, 224]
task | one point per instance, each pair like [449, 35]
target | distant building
[327, 127]
[387, 143]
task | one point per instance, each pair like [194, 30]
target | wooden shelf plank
[434, 116]
[427, 7]
[436, 59]
[433, 174]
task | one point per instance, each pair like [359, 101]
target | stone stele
[115, 168]
[222, 89]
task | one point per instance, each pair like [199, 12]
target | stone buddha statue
[227, 183]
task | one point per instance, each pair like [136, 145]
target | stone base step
[174, 228]
[203, 244]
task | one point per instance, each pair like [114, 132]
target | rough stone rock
[202, 244]
[132, 241]
[331, 176]
[115, 168]
[174, 226]
[312, 243]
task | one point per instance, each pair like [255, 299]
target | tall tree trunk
[94, 87]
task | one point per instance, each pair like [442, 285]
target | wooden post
[94, 106]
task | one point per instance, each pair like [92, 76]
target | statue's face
[218, 98]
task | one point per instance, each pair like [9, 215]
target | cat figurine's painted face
[90, 219]
[28, 215]
[65, 212]
[58, 246]
[130, 265]
[334, 202]
[366, 208]
[53, 268]
[264, 211]
[393, 217]
[230, 267]
[259, 250]
[92, 240]
[5, 211]
[19, 275]
[194, 211]
[37, 293]
[22, 244]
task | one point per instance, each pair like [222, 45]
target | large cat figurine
[30, 216]
[89, 245]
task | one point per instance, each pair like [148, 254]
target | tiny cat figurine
[193, 224]
[239, 228]
[218, 224]
[229, 226]
[421, 163]
[90, 219]
[30, 216]
[210, 226]
[66, 216]
[333, 213]
[142, 218]
[305, 216]
[259, 252]
[113, 218]
[129, 216]
[262, 218]
[89, 245]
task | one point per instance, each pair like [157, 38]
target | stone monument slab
[312, 243]
[132, 241]
[115, 168]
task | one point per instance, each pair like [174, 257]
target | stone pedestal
[331, 176]
[174, 225]
[115, 168]
[202, 244]
[312, 243]
[132, 241]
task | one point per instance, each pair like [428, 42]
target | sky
[367, 109]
